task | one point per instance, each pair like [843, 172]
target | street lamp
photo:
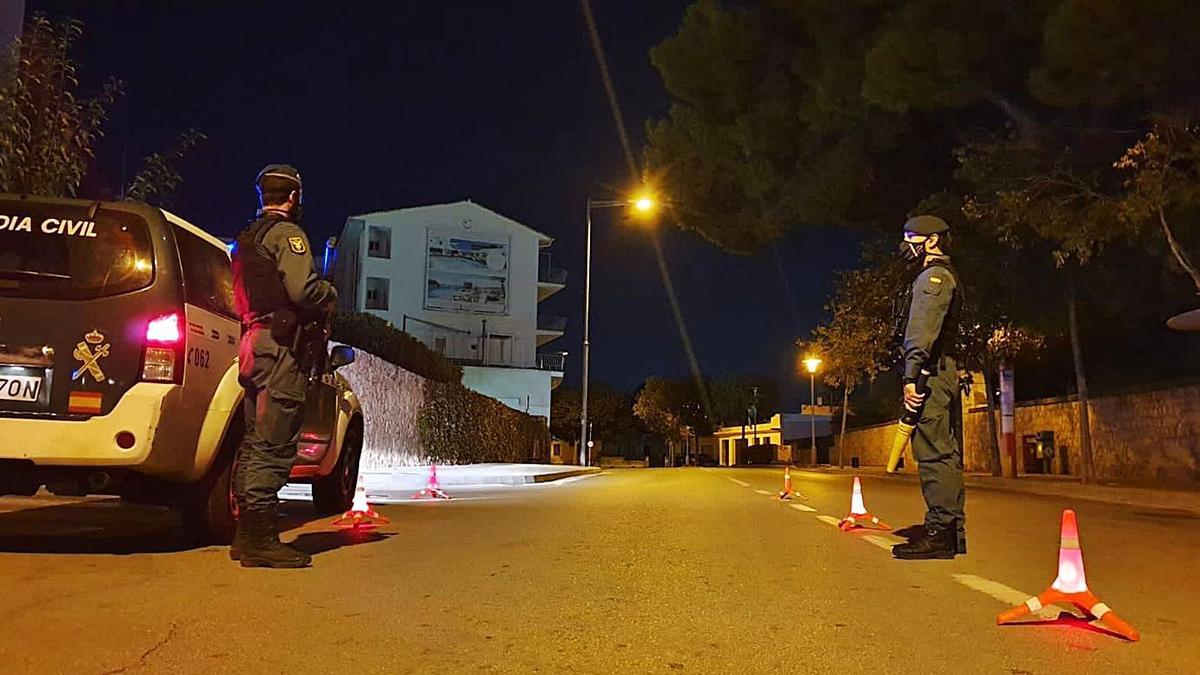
[645, 204]
[812, 363]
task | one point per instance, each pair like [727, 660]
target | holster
[283, 326]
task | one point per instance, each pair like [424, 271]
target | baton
[908, 423]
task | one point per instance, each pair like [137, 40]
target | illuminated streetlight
[812, 363]
[644, 204]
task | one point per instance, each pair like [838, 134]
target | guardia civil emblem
[89, 352]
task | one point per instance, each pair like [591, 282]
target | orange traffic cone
[1070, 586]
[360, 514]
[432, 489]
[859, 515]
[788, 492]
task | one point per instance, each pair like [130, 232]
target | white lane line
[762, 492]
[1006, 594]
[740, 482]
[828, 520]
[802, 507]
[884, 542]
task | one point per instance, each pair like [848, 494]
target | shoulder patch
[297, 245]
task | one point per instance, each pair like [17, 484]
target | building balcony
[550, 328]
[555, 361]
[550, 281]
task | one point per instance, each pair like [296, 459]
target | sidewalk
[1108, 492]
[399, 484]
[414, 477]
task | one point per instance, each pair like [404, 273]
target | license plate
[21, 388]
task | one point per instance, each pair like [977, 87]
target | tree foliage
[49, 130]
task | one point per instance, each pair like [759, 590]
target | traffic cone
[1070, 586]
[859, 515]
[432, 489]
[788, 492]
[360, 514]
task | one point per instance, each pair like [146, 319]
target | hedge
[372, 334]
[460, 426]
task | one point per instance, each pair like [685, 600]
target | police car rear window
[57, 252]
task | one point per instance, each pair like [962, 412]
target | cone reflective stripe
[433, 488]
[1070, 586]
[904, 432]
[859, 515]
[788, 492]
[360, 514]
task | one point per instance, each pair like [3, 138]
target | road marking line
[802, 507]
[739, 482]
[1006, 594]
[762, 492]
[882, 541]
[829, 520]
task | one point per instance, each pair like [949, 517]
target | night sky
[393, 104]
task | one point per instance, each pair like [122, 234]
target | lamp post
[812, 363]
[644, 204]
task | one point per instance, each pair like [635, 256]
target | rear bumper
[90, 442]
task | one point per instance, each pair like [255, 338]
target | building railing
[555, 361]
[557, 324]
[552, 275]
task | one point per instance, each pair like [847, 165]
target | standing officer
[275, 285]
[929, 342]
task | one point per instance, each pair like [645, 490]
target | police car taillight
[160, 358]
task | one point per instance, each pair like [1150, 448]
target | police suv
[118, 365]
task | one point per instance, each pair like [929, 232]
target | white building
[466, 281]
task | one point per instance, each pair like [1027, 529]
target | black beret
[926, 225]
[279, 171]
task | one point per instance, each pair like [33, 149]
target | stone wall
[409, 420]
[870, 444]
[391, 398]
[1151, 435]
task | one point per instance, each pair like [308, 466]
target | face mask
[912, 251]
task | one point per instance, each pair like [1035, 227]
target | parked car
[118, 365]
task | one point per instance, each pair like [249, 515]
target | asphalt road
[635, 571]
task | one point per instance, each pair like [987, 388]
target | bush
[372, 334]
[460, 426]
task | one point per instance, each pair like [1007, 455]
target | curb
[496, 479]
[983, 483]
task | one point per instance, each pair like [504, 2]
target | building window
[377, 293]
[557, 450]
[379, 242]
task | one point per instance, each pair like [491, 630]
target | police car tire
[207, 506]
[332, 494]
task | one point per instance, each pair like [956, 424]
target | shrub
[372, 334]
[460, 426]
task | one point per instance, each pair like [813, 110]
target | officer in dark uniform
[275, 288]
[929, 340]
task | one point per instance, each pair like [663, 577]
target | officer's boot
[239, 535]
[961, 537]
[941, 543]
[262, 548]
[239, 539]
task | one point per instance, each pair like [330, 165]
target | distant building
[466, 281]
[786, 437]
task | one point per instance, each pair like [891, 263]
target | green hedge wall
[372, 334]
[460, 426]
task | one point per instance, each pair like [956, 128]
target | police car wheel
[335, 493]
[208, 515]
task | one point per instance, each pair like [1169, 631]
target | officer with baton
[931, 388]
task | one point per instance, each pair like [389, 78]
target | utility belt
[307, 336]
